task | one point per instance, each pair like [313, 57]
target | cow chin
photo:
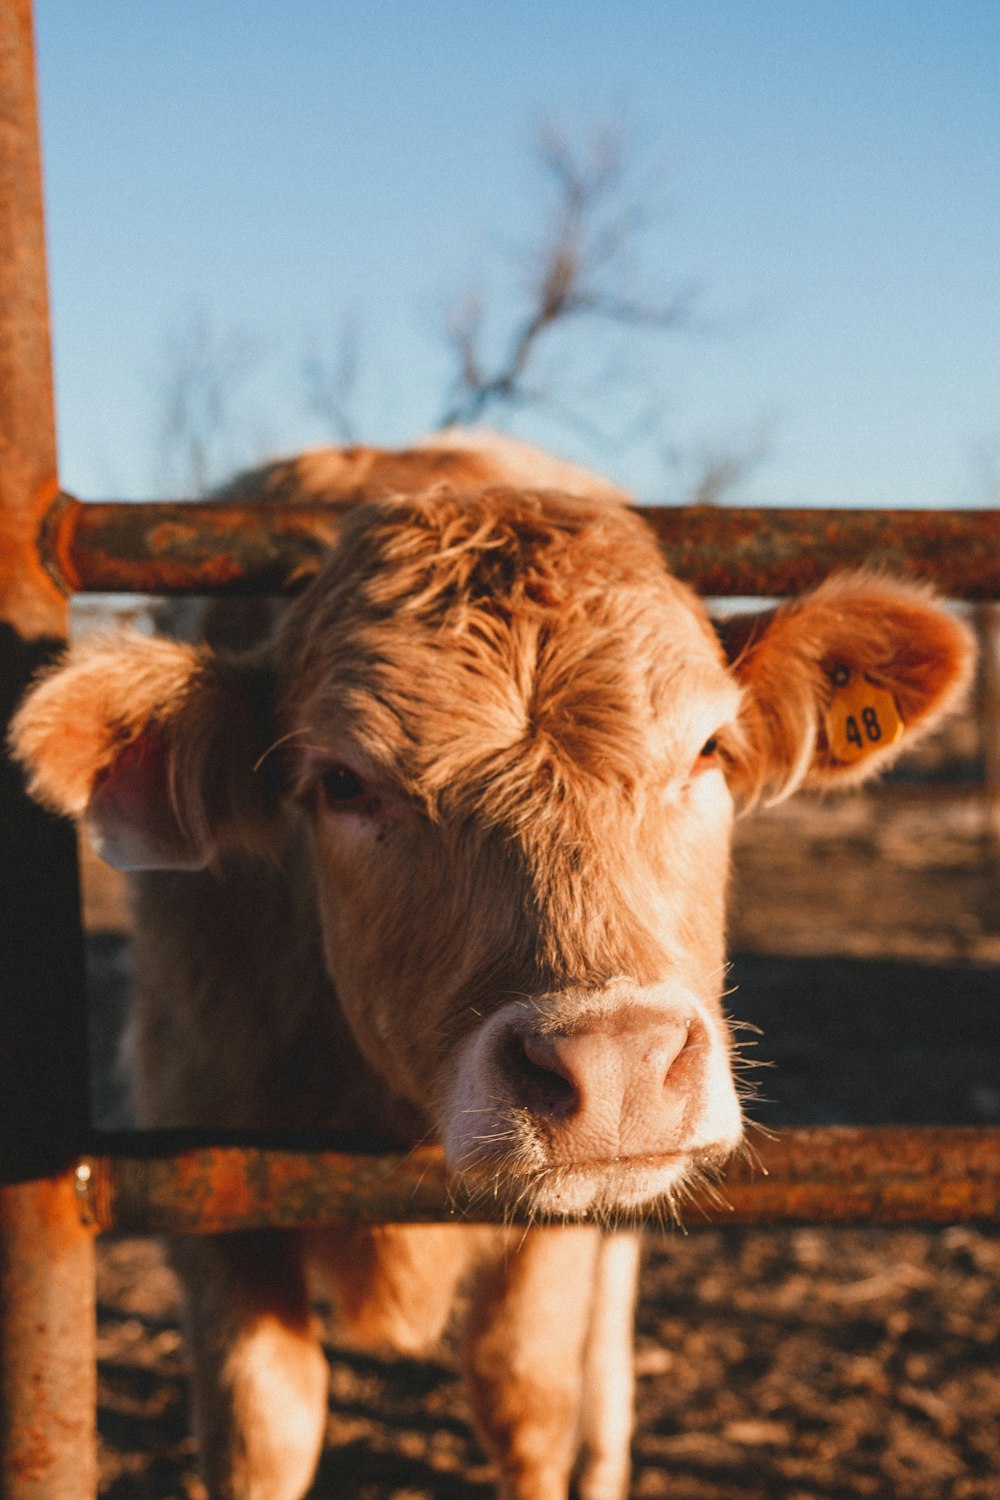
[612, 1192]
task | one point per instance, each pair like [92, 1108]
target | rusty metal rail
[837, 1175]
[181, 546]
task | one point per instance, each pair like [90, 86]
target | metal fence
[60, 1180]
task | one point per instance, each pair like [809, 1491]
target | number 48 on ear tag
[862, 718]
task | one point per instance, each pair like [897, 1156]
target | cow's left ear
[839, 682]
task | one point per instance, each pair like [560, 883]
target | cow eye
[343, 788]
[708, 755]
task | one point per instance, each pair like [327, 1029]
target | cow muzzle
[600, 1095]
[617, 1094]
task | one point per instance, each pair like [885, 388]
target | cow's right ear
[159, 747]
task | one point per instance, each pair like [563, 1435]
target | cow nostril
[540, 1081]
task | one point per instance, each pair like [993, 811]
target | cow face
[516, 743]
[507, 725]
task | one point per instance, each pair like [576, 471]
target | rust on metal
[723, 551]
[836, 1175]
[206, 547]
[47, 1314]
[27, 425]
[47, 1336]
[184, 547]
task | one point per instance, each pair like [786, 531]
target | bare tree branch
[573, 353]
[713, 472]
[578, 270]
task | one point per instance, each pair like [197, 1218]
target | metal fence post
[47, 1338]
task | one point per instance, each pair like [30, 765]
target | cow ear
[839, 682]
[156, 746]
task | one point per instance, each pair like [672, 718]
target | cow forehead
[448, 629]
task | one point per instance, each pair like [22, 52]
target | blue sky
[831, 174]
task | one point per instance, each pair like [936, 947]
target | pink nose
[598, 1095]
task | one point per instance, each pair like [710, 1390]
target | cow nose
[603, 1094]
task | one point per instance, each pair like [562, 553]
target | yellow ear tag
[861, 719]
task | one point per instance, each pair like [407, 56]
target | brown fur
[510, 933]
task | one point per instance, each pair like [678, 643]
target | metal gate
[61, 1182]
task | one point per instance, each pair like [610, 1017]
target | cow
[439, 849]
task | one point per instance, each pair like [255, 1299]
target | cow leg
[607, 1411]
[526, 1341]
[258, 1371]
[394, 1284]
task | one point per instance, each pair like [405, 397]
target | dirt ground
[793, 1364]
[797, 1364]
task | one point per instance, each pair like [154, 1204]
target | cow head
[516, 744]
